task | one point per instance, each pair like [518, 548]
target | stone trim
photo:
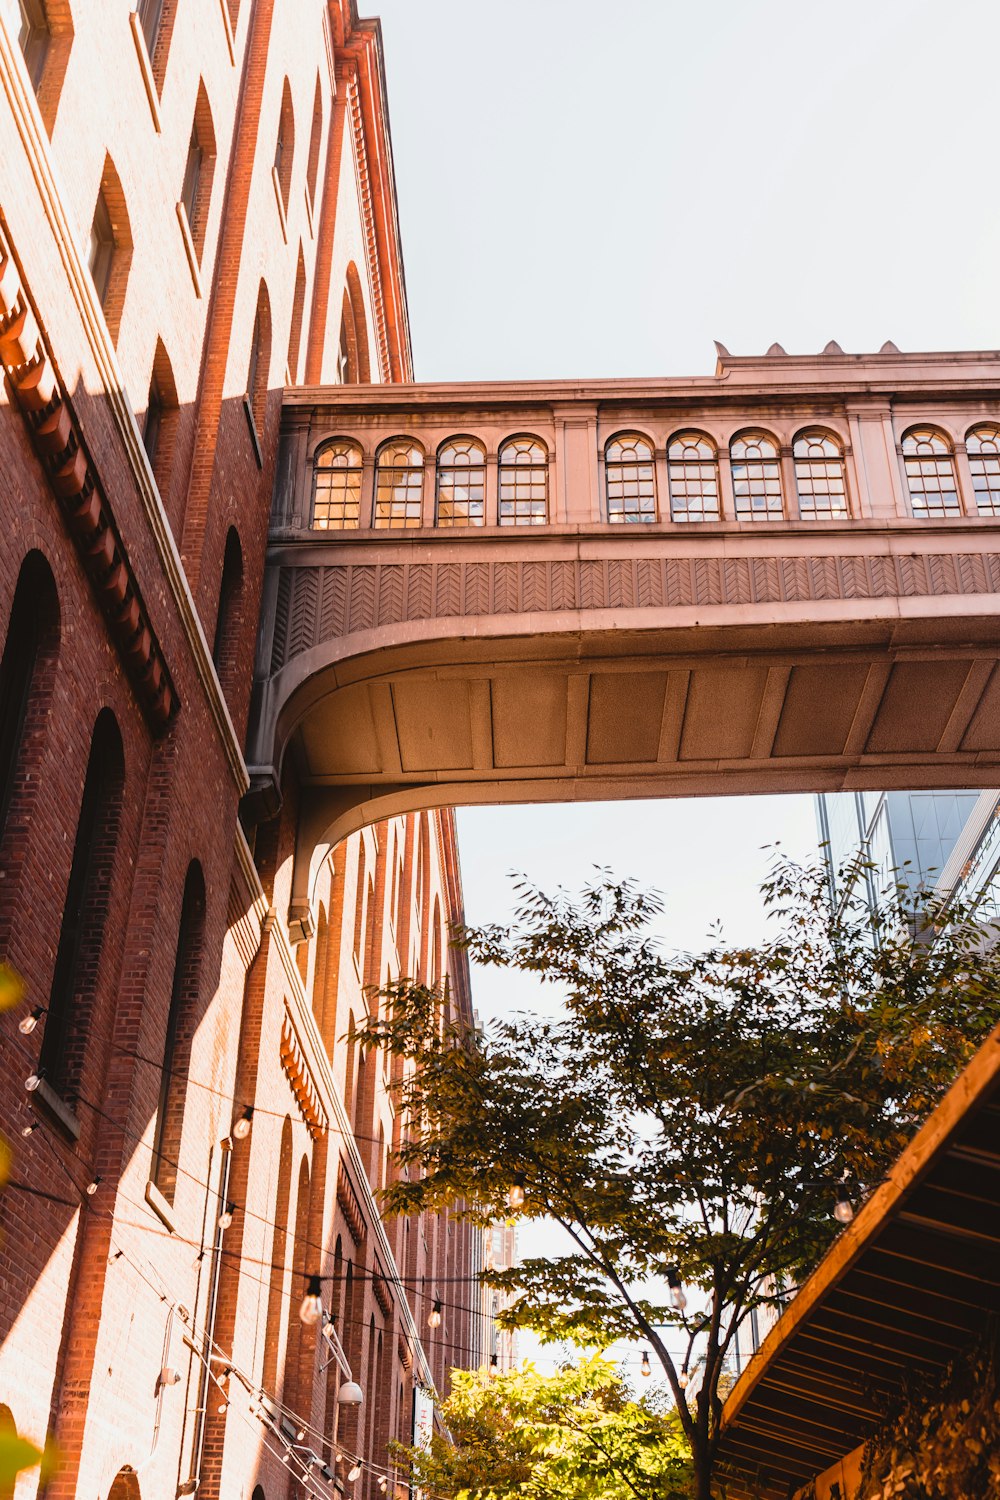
[300, 1079]
[316, 604]
[347, 1202]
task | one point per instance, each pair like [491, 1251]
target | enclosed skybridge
[783, 577]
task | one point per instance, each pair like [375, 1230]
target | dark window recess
[153, 425]
[102, 247]
[74, 980]
[33, 619]
[150, 13]
[33, 36]
[182, 1019]
[192, 177]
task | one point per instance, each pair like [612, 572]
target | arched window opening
[259, 368]
[284, 147]
[693, 475]
[436, 943]
[315, 141]
[33, 36]
[461, 483]
[182, 1022]
[983, 444]
[229, 617]
[27, 674]
[161, 418]
[523, 469]
[319, 967]
[820, 481]
[399, 485]
[337, 487]
[276, 1296]
[258, 1493]
[353, 365]
[45, 36]
[76, 973]
[150, 14]
[359, 908]
[756, 477]
[109, 252]
[298, 313]
[930, 473]
[630, 479]
[199, 169]
[349, 1063]
[301, 1356]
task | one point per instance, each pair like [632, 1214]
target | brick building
[196, 209]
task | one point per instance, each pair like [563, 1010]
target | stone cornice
[24, 112]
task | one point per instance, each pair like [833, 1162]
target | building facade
[196, 208]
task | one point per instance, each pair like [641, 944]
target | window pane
[983, 444]
[756, 478]
[630, 479]
[693, 474]
[461, 485]
[819, 477]
[523, 483]
[399, 487]
[930, 474]
[337, 488]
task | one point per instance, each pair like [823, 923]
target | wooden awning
[903, 1289]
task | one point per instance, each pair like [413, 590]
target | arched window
[27, 673]
[182, 1022]
[284, 147]
[930, 473]
[337, 487]
[315, 140]
[301, 1354]
[109, 252]
[275, 1326]
[524, 472]
[76, 973]
[983, 444]
[359, 908]
[125, 1486]
[199, 169]
[229, 619]
[159, 422]
[259, 366]
[461, 483]
[298, 312]
[353, 363]
[399, 484]
[630, 479]
[820, 481]
[693, 474]
[756, 477]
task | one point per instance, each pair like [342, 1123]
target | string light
[353, 1474]
[677, 1295]
[515, 1193]
[27, 1024]
[223, 1408]
[843, 1208]
[434, 1316]
[241, 1127]
[226, 1216]
[92, 1186]
[494, 1366]
[645, 1368]
[32, 1081]
[382, 1483]
[311, 1307]
[29, 1128]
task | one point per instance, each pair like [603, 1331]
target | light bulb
[494, 1366]
[381, 1483]
[27, 1023]
[645, 1368]
[226, 1216]
[300, 1434]
[92, 1186]
[32, 1081]
[353, 1474]
[27, 1129]
[311, 1307]
[223, 1407]
[434, 1316]
[683, 1378]
[677, 1296]
[515, 1193]
[843, 1209]
[286, 1458]
[241, 1127]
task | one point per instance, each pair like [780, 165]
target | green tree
[685, 1118]
[573, 1435]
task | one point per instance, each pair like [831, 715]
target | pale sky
[595, 189]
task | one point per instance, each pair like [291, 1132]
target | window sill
[282, 219]
[146, 69]
[54, 1106]
[160, 1206]
[254, 437]
[189, 248]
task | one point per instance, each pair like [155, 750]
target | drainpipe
[166, 1377]
[189, 1486]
